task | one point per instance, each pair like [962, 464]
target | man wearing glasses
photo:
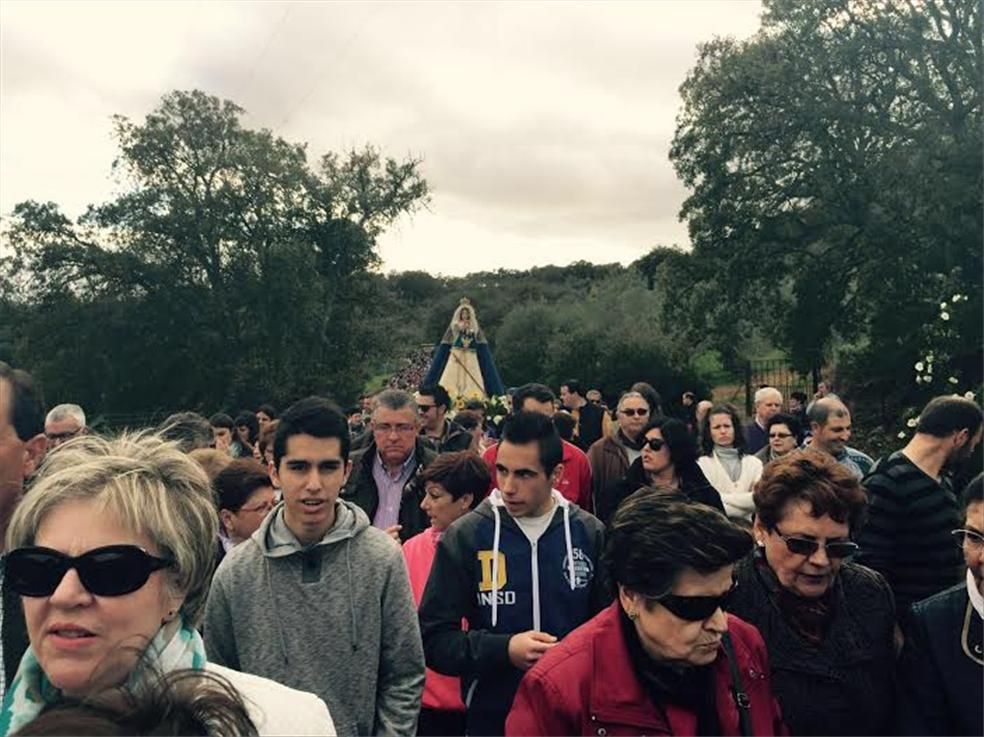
[611, 457]
[942, 663]
[384, 480]
[433, 403]
[912, 507]
[63, 423]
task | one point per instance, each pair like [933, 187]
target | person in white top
[725, 463]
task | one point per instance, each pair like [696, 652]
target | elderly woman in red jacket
[664, 658]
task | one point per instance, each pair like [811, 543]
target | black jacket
[695, 486]
[941, 671]
[846, 685]
[591, 419]
[361, 489]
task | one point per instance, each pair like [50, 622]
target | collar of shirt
[405, 468]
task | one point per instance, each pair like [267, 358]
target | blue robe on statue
[462, 362]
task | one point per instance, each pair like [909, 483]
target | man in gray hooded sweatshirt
[317, 599]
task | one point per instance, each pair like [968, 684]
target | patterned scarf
[174, 647]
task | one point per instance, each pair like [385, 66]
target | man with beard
[912, 506]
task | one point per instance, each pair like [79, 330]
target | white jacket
[736, 495]
[277, 710]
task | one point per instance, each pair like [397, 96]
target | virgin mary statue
[462, 362]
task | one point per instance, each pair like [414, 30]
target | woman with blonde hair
[112, 553]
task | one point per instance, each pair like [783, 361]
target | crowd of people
[412, 370]
[400, 569]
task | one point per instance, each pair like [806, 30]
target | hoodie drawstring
[570, 546]
[495, 565]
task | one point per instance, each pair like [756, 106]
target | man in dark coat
[385, 473]
[942, 663]
[590, 417]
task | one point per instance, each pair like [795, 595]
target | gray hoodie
[336, 618]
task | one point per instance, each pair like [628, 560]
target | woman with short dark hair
[828, 623]
[664, 658]
[668, 462]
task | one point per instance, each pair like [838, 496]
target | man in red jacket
[574, 482]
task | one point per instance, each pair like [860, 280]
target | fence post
[748, 388]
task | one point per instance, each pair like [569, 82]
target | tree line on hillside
[834, 166]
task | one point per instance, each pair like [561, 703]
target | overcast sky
[544, 127]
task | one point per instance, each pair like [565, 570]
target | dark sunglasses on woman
[804, 546]
[656, 444]
[630, 412]
[696, 608]
[113, 570]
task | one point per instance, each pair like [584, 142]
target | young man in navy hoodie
[523, 569]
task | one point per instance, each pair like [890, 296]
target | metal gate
[778, 373]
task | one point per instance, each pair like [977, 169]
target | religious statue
[462, 362]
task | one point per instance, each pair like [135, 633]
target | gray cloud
[545, 123]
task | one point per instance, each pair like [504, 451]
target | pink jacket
[440, 691]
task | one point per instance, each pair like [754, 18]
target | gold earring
[633, 616]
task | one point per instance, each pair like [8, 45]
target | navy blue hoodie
[487, 572]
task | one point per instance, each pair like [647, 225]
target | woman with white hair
[112, 553]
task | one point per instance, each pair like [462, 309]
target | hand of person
[528, 647]
[394, 532]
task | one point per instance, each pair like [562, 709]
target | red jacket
[586, 686]
[574, 482]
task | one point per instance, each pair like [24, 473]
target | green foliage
[226, 272]
[836, 176]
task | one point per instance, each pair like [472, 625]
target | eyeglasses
[968, 539]
[656, 444]
[782, 435]
[634, 412]
[264, 507]
[696, 608]
[113, 570]
[402, 428]
[803, 546]
[425, 408]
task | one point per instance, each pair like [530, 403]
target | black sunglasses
[696, 608]
[633, 412]
[656, 444]
[803, 546]
[110, 571]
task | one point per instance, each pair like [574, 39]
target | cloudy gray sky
[544, 126]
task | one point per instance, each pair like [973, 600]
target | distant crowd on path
[401, 569]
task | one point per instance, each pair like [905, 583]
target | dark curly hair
[812, 477]
[706, 444]
[656, 535]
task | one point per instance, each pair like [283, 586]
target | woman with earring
[112, 553]
[828, 623]
[667, 462]
[453, 485]
[726, 464]
[664, 658]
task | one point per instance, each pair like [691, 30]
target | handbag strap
[741, 697]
